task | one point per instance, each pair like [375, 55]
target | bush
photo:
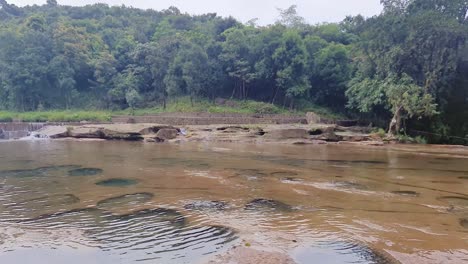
[407, 139]
[380, 132]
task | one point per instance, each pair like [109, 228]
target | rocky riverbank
[298, 134]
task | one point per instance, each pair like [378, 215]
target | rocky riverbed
[298, 134]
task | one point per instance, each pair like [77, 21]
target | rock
[363, 143]
[86, 132]
[288, 133]
[150, 140]
[310, 142]
[245, 255]
[464, 222]
[266, 204]
[350, 185]
[328, 137]
[116, 135]
[206, 205]
[406, 193]
[85, 172]
[319, 142]
[158, 215]
[347, 123]
[117, 182]
[313, 118]
[125, 200]
[52, 132]
[152, 130]
[284, 174]
[49, 201]
[167, 134]
[37, 172]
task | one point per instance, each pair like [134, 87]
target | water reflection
[132, 202]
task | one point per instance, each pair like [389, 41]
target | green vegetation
[179, 105]
[185, 105]
[56, 116]
[404, 69]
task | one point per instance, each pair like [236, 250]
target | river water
[118, 202]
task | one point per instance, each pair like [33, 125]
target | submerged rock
[350, 185]
[124, 200]
[284, 174]
[406, 193]
[206, 205]
[343, 252]
[80, 217]
[37, 172]
[266, 204]
[192, 164]
[159, 214]
[117, 182]
[53, 200]
[85, 172]
[250, 174]
[291, 180]
[455, 200]
[464, 222]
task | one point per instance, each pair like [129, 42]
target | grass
[183, 105]
[180, 105]
[57, 116]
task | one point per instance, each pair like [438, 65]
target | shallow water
[119, 202]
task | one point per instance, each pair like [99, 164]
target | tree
[133, 99]
[52, 3]
[401, 95]
[290, 18]
[239, 58]
[330, 75]
[291, 61]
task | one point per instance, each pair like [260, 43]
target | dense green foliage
[409, 63]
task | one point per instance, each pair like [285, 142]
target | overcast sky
[315, 11]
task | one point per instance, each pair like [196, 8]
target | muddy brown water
[119, 202]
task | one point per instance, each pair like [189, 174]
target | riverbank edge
[295, 134]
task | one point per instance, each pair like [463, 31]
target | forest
[404, 70]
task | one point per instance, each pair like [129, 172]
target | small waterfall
[10, 131]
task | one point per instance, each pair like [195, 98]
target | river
[119, 202]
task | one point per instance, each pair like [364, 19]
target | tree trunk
[191, 99]
[243, 90]
[234, 90]
[395, 124]
[274, 95]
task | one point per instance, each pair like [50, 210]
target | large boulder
[167, 134]
[288, 133]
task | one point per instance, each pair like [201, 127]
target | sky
[314, 11]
